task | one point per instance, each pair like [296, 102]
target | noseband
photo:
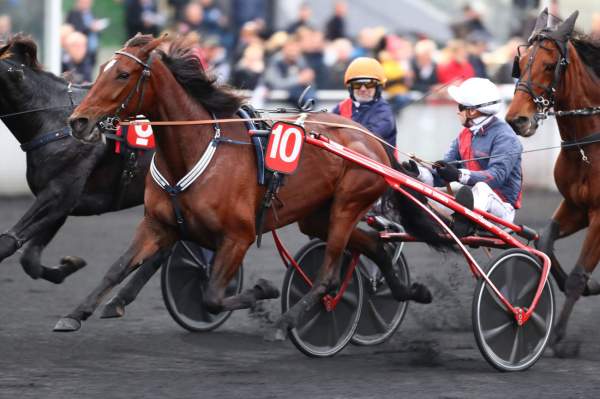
[545, 101]
[111, 123]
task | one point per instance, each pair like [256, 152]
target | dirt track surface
[145, 354]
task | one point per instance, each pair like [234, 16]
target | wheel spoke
[495, 298]
[387, 292]
[309, 324]
[380, 323]
[509, 269]
[515, 347]
[539, 322]
[527, 289]
[492, 333]
[295, 293]
[335, 331]
[350, 298]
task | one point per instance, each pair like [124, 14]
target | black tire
[381, 314]
[321, 333]
[183, 282]
[502, 342]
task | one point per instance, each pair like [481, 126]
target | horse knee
[32, 267]
[8, 245]
[576, 282]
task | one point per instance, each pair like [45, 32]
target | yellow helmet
[365, 68]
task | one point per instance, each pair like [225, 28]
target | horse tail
[415, 220]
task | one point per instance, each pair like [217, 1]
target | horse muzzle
[84, 129]
[524, 126]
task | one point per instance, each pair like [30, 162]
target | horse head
[18, 57]
[120, 90]
[539, 68]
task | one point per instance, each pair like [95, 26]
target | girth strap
[591, 139]
[46, 139]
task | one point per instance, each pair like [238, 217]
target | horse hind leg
[31, 259]
[126, 295]
[575, 286]
[565, 221]
[148, 242]
[228, 259]
[368, 243]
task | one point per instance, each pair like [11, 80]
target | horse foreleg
[50, 207]
[116, 306]
[31, 259]
[228, 258]
[566, 220]
[149, 242]
[575, 285]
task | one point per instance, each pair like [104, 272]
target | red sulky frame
[400, 182]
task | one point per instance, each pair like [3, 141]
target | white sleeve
[465, 175]
[425, 175]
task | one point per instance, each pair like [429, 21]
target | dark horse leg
[116, 306]
[228, 259]
[150, 244]
[31, 259]
[47, 214]
[576, 284]
[567, 219]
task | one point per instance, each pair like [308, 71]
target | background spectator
[338, 56]
[312, 44]
[304, 15]
[250, 68]
[595, 31]
[77, 64]
[476, 46]
[82, 19]
[336, 26]
[142, 16]
[5, 27]
[423, 66]
[395, 60]
[288, 70]
[454, 64]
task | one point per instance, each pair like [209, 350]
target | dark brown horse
[561, 71]
[327, 195]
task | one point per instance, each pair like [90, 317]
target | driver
[364, 79]
[485, 157]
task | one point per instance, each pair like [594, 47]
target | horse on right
[559, 75]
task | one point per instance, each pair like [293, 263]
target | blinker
[516, 69]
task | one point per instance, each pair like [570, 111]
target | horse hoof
[274, 335]
[266, 289]
[420, 293]
[566, 349]
[8, 246]
[592, 288]
[67, 324]
[71, 264]
[114, 308]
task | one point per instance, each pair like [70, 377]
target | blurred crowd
[242, 48]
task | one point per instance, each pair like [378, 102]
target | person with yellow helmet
[364, 79]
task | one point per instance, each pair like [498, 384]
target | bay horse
[327, 195]
[561, 70]
[67, 176]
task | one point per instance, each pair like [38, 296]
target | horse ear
[25, 52]
[154, 44]
[541, 22]
[564, 30]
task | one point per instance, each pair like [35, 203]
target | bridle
[111, 122]
[545, 101]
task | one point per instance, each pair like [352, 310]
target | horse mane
[22, 45]
[187, 69]
[589, 51]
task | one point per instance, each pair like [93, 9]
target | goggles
[462, 107]
[368, 83]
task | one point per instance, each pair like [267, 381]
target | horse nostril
[78, 124]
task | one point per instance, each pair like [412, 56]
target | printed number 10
[281, 142]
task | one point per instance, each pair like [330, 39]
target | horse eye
[123, 76]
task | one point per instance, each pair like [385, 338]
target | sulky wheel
[322, 333]
[381, 314]
[504, 344]
[183, 281]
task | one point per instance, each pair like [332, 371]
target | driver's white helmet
[477, 93]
